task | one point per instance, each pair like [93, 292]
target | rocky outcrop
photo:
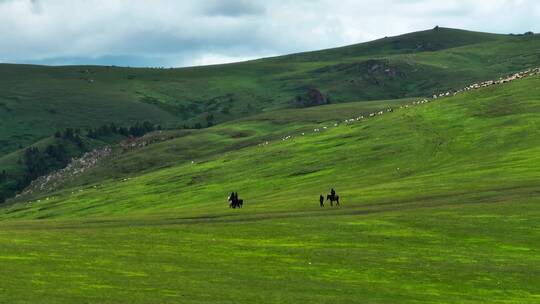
[313, 97]
[76, 167]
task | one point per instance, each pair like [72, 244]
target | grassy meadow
[439, 204]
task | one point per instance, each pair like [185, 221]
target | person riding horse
[230, 199]
[333, 197]
[234, 201]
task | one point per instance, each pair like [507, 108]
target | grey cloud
[35, 6]
[233, 8]
[169, 32]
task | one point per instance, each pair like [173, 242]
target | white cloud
[189, 32]
[208, 59]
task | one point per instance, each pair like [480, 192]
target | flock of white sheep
[91, 158]
[474, 86]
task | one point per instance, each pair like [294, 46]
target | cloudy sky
[194, 32]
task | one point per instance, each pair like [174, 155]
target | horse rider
[233, 200]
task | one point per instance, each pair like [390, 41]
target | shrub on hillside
[137, 130]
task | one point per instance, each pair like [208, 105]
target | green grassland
[36, 101]
[439, 204]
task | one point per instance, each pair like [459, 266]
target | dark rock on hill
[313, 97]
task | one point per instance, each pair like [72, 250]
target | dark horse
[333, 198]
[234, 201]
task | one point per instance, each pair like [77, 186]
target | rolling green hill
[439, 204]
[36, 101]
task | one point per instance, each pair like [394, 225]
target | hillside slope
[439, 204]
[480, 140]
[36, 101]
